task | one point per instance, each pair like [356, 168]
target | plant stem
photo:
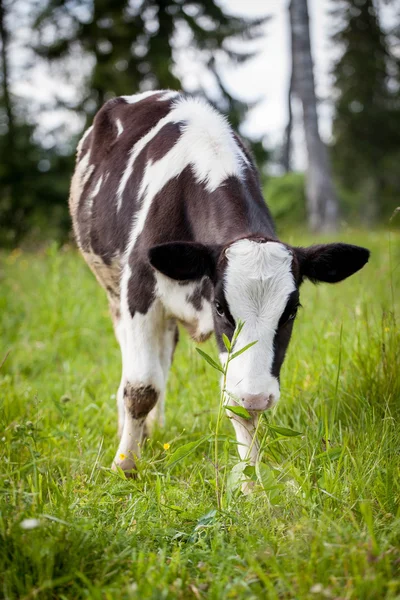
[221, 404]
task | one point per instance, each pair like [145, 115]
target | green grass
[324, 518]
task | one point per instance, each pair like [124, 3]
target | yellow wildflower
[166, 446]
[122, 456]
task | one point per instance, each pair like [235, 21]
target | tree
[322, 205]
[135, 46]
[29, 193]
[287, 143]
[366, 123]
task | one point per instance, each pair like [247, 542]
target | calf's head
[256, 280]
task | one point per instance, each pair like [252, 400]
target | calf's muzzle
[258, 402]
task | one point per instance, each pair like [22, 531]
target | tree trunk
[322, 205]
[5, 78]
[287, 145]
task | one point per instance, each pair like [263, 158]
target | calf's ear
[331, 262]
[184, 261]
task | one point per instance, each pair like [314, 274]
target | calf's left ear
[184, 261]
[331, 262]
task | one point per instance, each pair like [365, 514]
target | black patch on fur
[331, 262]
[140, 400]
[141, 286]
[203, 291]
[183, 261]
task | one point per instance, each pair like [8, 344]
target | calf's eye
[292, 315]
[219, 309]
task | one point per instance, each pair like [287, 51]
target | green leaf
[239, 327]
[284, 431]
[239, 352]
[331, 454]
[210, 360]
[237, 476]
[265, 475]
[250, 471]
[226, 342]
[240, 411]
[206, 519]
[184, 451]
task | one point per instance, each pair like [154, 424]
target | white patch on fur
[134, 153]
[97, 188]
[119, 127]
[174, 297]
[168, 95]
[206, 143]
[81, 141]
[157, 414]
[134, 98]
[120, 334]
[144, 338]
[257, 285]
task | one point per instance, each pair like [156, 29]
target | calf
[168, 213]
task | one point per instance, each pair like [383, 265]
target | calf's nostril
[257, 402]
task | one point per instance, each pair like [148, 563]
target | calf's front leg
[170, 340]
[248, 446]
[246, 437]
[143, 380]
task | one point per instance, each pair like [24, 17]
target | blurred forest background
[104, 48]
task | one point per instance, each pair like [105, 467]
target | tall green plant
[243, 474]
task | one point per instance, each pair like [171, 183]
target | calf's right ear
[184, 261]
[331, 262]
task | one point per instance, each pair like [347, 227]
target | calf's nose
[258, 402]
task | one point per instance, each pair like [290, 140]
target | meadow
[323, 520]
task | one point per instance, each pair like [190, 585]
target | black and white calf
[168, 213]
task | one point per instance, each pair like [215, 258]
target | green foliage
[34, 187]
[34, 180]
[323, 520]
[367, 110]
[133, 46]
[285, 196]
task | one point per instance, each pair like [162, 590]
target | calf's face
[256, 281]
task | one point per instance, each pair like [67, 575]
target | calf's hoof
[127, 464]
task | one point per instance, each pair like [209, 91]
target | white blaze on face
[258, 282]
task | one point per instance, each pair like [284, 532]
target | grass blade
[284, 431]
[239, 352]
[184, 451]
[210, 360]
[226, 342]
[240, 411]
